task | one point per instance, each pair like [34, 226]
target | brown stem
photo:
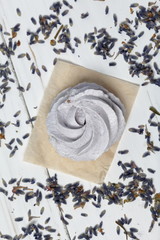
[61, 27]
[125, 231]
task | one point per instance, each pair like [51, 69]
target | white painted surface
[29, 101]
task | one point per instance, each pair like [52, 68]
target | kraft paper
[40, 151]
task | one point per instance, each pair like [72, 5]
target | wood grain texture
[29, 101]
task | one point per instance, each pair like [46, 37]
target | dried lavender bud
[111, 64]
[70, 22]
[115, 19]
[2, 190]
[18, 12]
[151, 170]
[22, 55]
[68, 216]
[146, 154]
[123, 151]
[18, 219]
[65, 12]
[44, 68]
[106, 10]
[102, 213]
[33, 20]
[84, 15]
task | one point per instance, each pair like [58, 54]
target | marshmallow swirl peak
[84, 121]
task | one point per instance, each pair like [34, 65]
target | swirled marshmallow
[85, 121]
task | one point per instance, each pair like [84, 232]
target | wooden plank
[29, 101]
[15, 167]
